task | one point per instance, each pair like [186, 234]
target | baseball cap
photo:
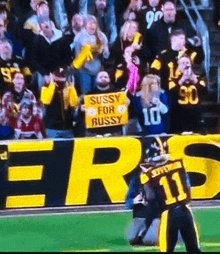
[60, 72]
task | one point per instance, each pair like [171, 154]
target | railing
[202, 29]
[201, 4]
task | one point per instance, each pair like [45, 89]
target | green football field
[96, 232]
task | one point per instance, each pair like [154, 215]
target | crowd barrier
[94, 171]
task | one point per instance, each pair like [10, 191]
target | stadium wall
[95, 171]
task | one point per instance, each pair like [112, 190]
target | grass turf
[91, 232]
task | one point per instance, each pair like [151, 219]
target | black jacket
[158, 34]
[48, 57]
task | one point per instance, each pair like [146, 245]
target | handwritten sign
[103, 110]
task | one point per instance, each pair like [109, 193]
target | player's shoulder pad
[144, 178]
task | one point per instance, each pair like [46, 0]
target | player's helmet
[157, 154]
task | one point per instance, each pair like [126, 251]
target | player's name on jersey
[103, 110]
[154, 172]
[167, 168]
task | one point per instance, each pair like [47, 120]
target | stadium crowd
[55, 53]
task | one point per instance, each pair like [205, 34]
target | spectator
[77, 25]
[129, 75]
[11, 21]
[38, 109]
[24, 9]
[132, 10]
[32, 27]
[103, 86]
[6, 131]
[60, 98]
[105, 14]
[165, 63]
[158, 35]
[50, 51]
[149, 14]
[26, 125]
[155, 107]
[9, 64]
[129, 36]
[17, 92]
[42, 14]
[4, 34]
[90, 46]
[187, 92]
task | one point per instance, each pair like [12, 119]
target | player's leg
[136, 230]
[189, 232]
[151, 238]
[168, 234]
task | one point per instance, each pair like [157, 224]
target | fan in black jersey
[149, 14]
[10, 64]
[166, 63]
[171, 185]
[187, 92]
[18, 91]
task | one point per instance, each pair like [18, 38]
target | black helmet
[157, 154]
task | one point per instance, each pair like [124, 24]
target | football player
[171, 186]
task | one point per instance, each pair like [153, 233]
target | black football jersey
[147, 16]
[166, 64]
[7, 68]
[170, 183]
[187, 94]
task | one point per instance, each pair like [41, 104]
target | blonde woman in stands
[91, 45]
[155, 106]
[129, 36]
